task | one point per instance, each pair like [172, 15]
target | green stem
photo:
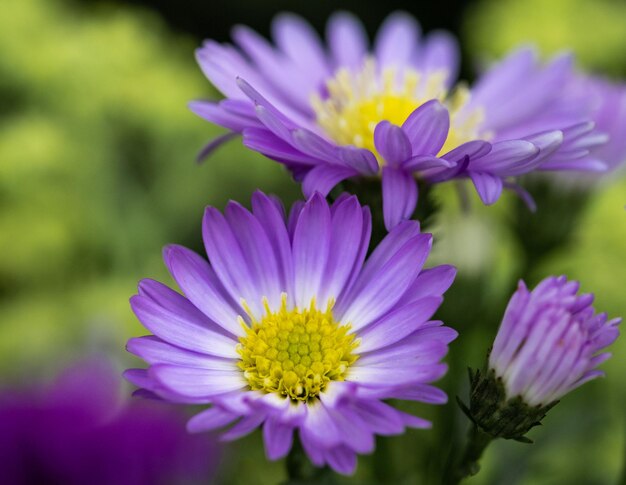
[552, 227]
[468, 465]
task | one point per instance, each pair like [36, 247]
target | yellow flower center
[358, 101]
[295, 353]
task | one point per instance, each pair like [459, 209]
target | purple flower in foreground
[80, 432]
[286, 327]
[549, 341]
[345, 111]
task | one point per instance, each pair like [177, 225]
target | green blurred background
[97, 174]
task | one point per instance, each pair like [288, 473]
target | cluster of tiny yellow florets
[295, 353]
[358, 101]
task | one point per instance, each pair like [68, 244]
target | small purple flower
[345, 110]
[550, 342]
[79, 431]
[288, 328]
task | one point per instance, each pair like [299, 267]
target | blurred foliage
[594, 29]
[97, 173]
[97, 170]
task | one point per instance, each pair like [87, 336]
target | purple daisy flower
[342, 111]
[287, 327]
[549, 342]
[79, 431]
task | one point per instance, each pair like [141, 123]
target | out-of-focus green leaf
[594, 29]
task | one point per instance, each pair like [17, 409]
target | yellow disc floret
[358, 101]
[295, 353]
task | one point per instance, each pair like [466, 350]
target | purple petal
[355, 433]
[388, 247]
[505, 157]
[315, 146]
[255, 244]
[392, 376]
[221, 64]
[198, 282]
[347, 40]
[378, 294]
[155, 351]
[324, 177]
[522, 194]
[213, 145]
[430, 282]
[210, 420]
[192, 382]
[296, 38]
[582, 165]
[280, 127]
[547, 143]
[181, 324]
[359, 159]
[320, 427]
[397, 40]
[244, 427]
[343, 258]
[500, 79]
[533, 93]
[471, 149]
[363, 248]
[311, 243]
[423, 393]
[278, 439]
[427, 128]
[489, 187]
[440, 53]
[399, 192]
[380, 417]
[425, 347]
[228, 260]
[392, 143]
[218, 114]
[421, 163]
[398, 324]
[264, 141]
[283, 79]
[276, 116]
[272, 218]
[341, 459]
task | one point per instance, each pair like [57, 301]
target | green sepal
[495, 414]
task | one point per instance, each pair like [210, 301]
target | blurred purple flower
[609, 113]
[344, 111]
[549, 341]
[79, 432]
[290, 329]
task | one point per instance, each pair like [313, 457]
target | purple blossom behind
[517, 118]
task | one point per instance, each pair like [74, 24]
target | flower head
[549, 341]
[344, 111]
[79, 431]
[286, 327]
